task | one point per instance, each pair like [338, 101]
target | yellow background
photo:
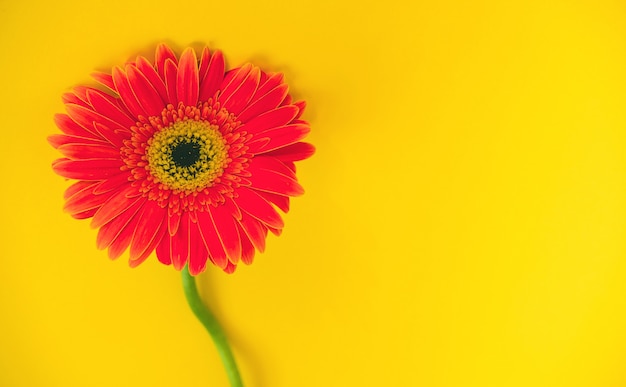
[464, 222]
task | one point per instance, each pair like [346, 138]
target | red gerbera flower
[183, 158]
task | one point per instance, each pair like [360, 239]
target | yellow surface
[464, 222]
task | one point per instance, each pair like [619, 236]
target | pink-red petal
[126, 93]
[233, 80]
[113, 183]
[170, 77]
[123, 238]
[180, 243]
[86, 118]
[147, 96]
[274, 182]
[163, 250]
[74, 99]
[294, 152]
[70, 127]
[211, 80]
[188, 83]
[256, 206]
[153, 77]
[106, 106]
[198, 254]
[224, 223]
[230, 268]
[77, 187]
[217, 254]
[125, 198]
[271, 119]
[236, 96]
[84, 200]
[279, 201]
[104, 79]
[96, 169]
[254, 230]
[163, 54]
[267, 102]
[151, 218]
[247, 249]
[278, 137]
[58, 140]
[86, 151]
[112, 229]
[173, 221]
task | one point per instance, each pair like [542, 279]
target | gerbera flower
[182, 157]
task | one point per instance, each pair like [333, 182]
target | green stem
[212, 326]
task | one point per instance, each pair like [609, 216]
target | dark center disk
[185, 154]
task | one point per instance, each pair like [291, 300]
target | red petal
[271, 181]
[211, 81]
[256, 206]
[171, 74]
[234, 79]
[294, 152]
[123, 238]
[205, 59]
[278, 137]
[254, 231]
[267, 102]
[111, 230]
[126, 197]
[247, 249]
[277, 117]
[180, 244]
[81, 92]
[105, 79]
[173, 221]
[269, 82]
[212, 240]
[129, 99]
[301, 105]
[226, 227]
[86, 117]
[147, 96]
[279, 201]
[287, 101]
[276, 231]
[153, 77]
[84, 215]
[188, 84]
[230, 268]
[77, 187]
[199, 253]
[163, 53]
[236, 96]
[150, 219]
[72, 128]
[84, 200]
[58, 140]
[86, 151]
[112, 136]
[96, 169]
[163, 250]
[105, 106]
[274, 165]
[159, 235]
[72, 98]
[114, 183]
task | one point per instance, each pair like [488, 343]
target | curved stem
[212, 326]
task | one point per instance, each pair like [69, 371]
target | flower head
[183, 158]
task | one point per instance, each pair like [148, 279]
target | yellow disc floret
[187, 155]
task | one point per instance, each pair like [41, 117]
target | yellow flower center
[187, 156]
